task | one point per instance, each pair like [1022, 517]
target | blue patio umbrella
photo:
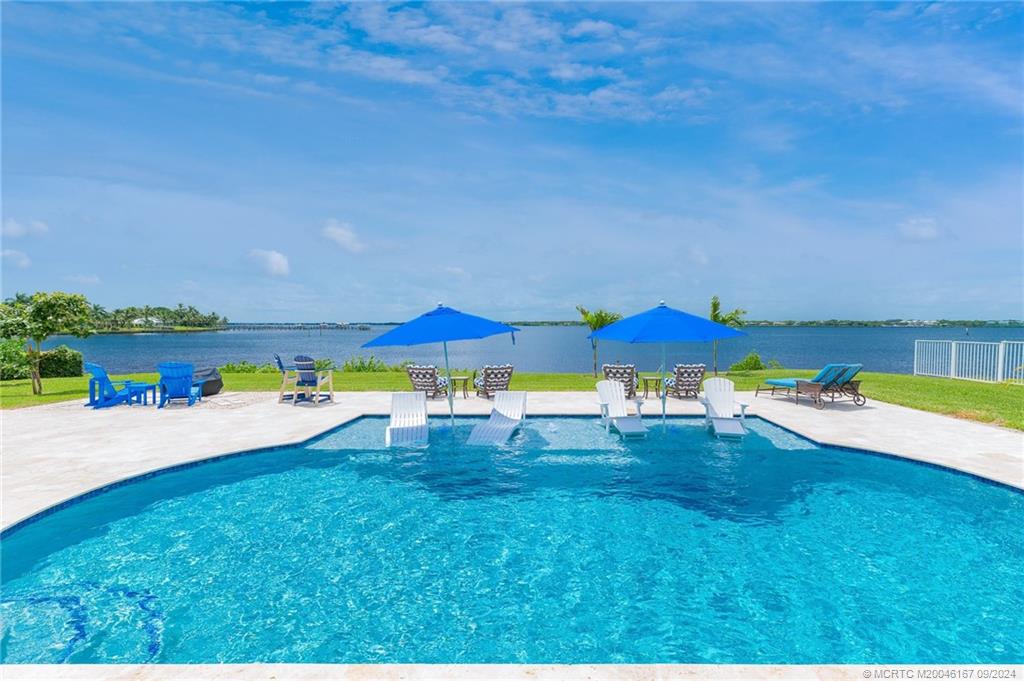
[441, 325]
[664, 324]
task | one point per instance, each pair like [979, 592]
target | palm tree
[597, 319]
[98, 314]
[733, 319]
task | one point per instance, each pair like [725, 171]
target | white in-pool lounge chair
[720, 408]
[507, 415]
[612, 397]
[408, 427]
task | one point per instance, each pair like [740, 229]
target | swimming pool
[569, 546]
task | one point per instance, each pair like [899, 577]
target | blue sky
[333, 162]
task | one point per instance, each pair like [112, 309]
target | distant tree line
[147, 316]
[916, 323]
[150, 316]
[26, 321]
[831, 322]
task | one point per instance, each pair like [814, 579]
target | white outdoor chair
[612, 397]
[720, 408]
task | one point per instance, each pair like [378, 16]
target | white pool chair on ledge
[408, 427]
[507, 415]
[720, 408]
[612, 397]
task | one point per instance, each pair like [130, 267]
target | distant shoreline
[364, 326]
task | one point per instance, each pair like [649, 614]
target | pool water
[567, 546]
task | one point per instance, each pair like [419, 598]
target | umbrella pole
[451, 390]
[664, 392]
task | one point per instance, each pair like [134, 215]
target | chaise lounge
[408, 426]
[506, 417]
[834, 380]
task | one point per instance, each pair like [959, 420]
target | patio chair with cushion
[624, 374]
[492, 379]
[425, 379]
[685, 381]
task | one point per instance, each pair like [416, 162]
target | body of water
[563, 349]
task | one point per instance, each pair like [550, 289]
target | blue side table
[140, 391]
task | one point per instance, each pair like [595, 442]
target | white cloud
[574, 72]
[591, 27]
[16, 258]
[12, 229]
[273, 263]
[84, 279]
[919, 229]
[342, 234]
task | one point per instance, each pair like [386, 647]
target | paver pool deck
[55, 452]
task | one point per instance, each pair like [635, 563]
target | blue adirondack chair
[311, 380]
[102, 391]
[176, 383]
[289, 377]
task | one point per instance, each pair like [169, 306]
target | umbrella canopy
[663, 324]
[440, 325]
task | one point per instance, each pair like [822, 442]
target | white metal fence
[970, 360]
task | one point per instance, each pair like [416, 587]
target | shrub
[244, 367]
[360, 364]
[324, 364]
[59, 362]
[13, 360]
[752, 362]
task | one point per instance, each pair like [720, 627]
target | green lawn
[1002, 404]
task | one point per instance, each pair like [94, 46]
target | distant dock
[296, 326]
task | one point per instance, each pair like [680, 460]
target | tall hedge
[59, 362]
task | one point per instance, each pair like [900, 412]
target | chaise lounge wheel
[860, 400]
[819, 403]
